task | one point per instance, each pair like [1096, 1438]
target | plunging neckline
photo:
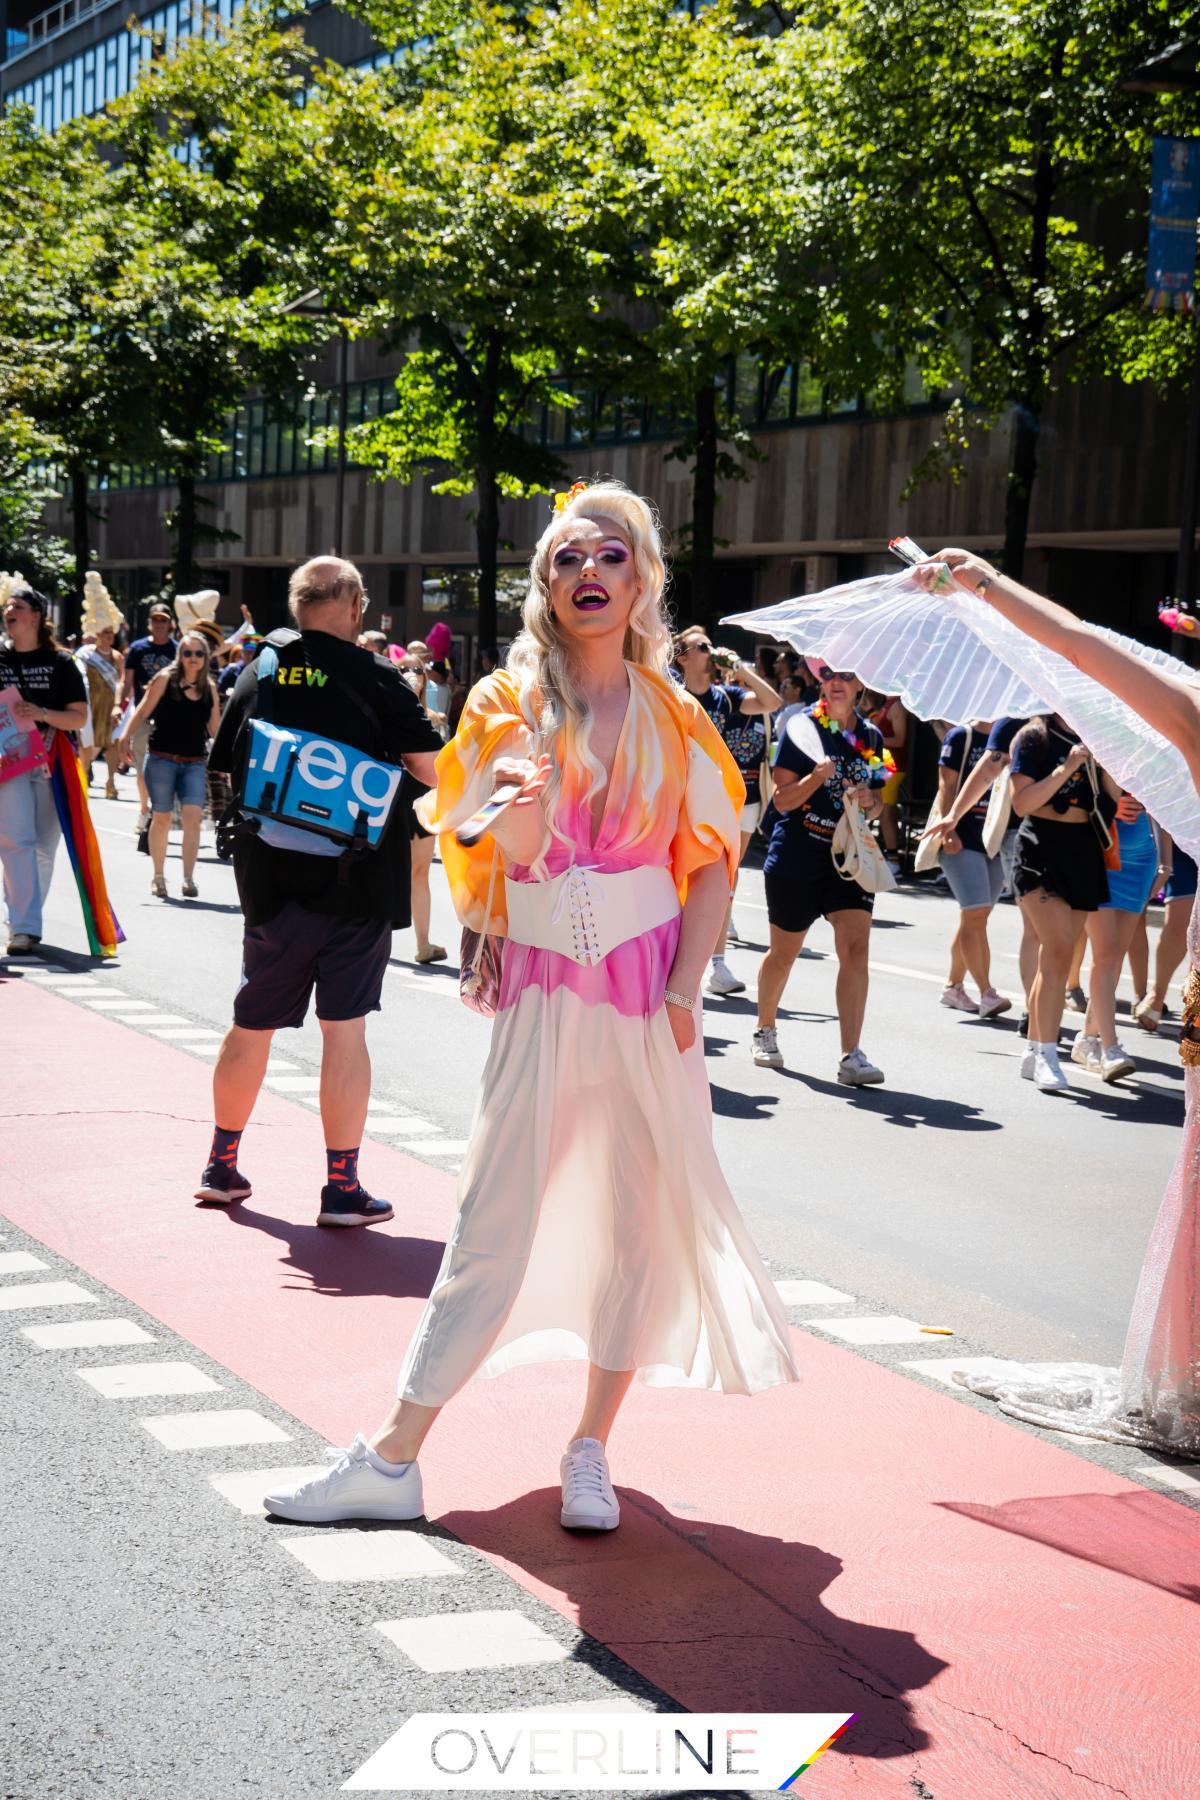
[596, 825]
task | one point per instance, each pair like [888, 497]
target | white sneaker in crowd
[733, 934]
[766, 1052]
[857, 1070]
[722, 980]
[1114, 1061]
[1028, 1061]
[956, 997]
[588, 1501]
[1047, 1072]
[991, 1004]
[356, 1487]
[1086, 1052]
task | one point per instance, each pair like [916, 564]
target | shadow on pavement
[896, 1107]
[732, 1105]
[718, 1618]
[1142, 1535]
[358, 1261]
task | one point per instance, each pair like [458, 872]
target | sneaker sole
[325, 1218]
[994, 1012]
[223, 1196]
[861, 1080]
[768, 1062]
[1111, 1075]
[723, 993]
[303, 1515]
[593, 1524]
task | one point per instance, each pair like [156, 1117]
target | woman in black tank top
[183, 712]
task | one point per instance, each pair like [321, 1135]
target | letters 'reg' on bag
[308, 792]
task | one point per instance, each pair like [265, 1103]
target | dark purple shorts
[297, 951]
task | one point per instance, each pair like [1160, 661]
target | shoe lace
[585, 1475]
[340, 1459]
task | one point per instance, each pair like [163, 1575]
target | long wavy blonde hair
[540, 657]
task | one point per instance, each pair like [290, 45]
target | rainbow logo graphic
[819, 1752]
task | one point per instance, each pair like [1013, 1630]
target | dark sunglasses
[189, 654]
[825, 674]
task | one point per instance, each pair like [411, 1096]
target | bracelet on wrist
[674, 999]
[982, 586]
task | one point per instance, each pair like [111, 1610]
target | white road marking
[155, 1018]
[86, 1334]
[45, 1293]
[449, 1148]
[811, 1293]
[388, 1122]
[178, 1033]
[277, 1065]
[1185, 1477]
[941, 1368]
[245, 1491]
[369, 1556]
[888, 1329]
[294, 1084]
[19, 1262]
[120, 1381]
[68, 984]
[473, 1640]
[214, 1430]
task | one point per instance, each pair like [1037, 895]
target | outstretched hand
[967, 570]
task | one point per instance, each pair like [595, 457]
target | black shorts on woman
[801, 882]
[1064, 859]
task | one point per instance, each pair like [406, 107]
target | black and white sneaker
[223, 1186]
[356, 1207]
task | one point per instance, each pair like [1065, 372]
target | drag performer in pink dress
[594, 1221]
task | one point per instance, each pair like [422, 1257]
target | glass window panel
[915, 392]
[778, 388]
[87, 93]
[579, 419]
[747, 388]
[838, 408]
[450, 590]
[810, 394]
[606, 425]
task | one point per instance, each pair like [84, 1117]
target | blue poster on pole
[1174, 208]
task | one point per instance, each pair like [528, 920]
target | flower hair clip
[563, 500]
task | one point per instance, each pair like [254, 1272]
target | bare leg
[1139, 957]
[1075, 973]
[405, 1429]
[1028, 957]
[419, 895]
[852, 937]
[1172, 947]
[1057, 929]
[606, 1388]
[958, 962]
[975, 949]
[241, 1065]
[345, 1081]
[774, 970]
[160, 832]
[722, 941]
[191, 840]
[1109, 931]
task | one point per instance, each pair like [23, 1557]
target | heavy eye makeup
[613, 554]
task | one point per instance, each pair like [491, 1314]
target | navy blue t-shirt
[147, 659]
[801, 840]
[1001, 735]
[1037, 752]
[954, 748]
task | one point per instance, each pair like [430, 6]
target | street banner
[583, 1752]
[1174, 209]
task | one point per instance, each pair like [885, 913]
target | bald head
[326, 594]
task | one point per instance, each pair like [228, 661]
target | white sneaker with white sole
[1047, 1072]
[722, 980]
[857, 1070]
[354, 1488]
[1114, 1061]
[588, 1501]
[1086, 1052]
[766, 1051]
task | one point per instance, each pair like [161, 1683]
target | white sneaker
[766, 1052]
[956, 997]
[1028, 1062]
[992, 1003]
[733, 934]
[857, 1070]
[354, 1488]
[1047, 1074]
[588, 1501]
[722, 980]
[1115, 1061]
[1086, 1052]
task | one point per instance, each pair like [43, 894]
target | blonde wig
[540, 656]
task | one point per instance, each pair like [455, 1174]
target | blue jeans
[168, 781]
[29, 834]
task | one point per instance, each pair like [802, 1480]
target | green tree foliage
[984, 175]
[26, 547]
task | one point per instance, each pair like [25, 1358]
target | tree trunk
[73, 606]
[487, 540]
[1022, 470]
[704, 501]
[185, 533]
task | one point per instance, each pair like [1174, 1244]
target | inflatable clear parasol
[950, 656]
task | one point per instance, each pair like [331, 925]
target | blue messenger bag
[304, 791]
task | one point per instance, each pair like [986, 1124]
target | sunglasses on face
[824, 674]
[189, 654]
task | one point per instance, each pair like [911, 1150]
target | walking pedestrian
[1064, 805]
[178, 714]
[53, 699]
[316, 920]
[1178, 900]
[146, 658]
[802, 884]
[891, 720]
[421, 842]
[1110, 932]
[594, 1221]
[740, 693]
[974, 878]
[103, 669]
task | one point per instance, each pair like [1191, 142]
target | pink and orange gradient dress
[594, 1220]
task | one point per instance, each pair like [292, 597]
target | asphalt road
[955, 1193]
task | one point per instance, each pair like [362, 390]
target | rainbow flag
[70, 801]
[831, 1739]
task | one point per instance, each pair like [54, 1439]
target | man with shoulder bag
[317, 737]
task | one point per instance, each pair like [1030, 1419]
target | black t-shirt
[46, 678]
[722, 702]
[801, 840]
[371, 886]
[954, 745]
[1038, 751]
[146, 659]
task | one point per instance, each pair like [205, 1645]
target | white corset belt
[585, 914]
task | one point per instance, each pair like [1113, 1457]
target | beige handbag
[929, 850]
[856, 855]
[999, 813]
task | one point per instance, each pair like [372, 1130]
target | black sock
[342, 1172]
[224, 1148]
